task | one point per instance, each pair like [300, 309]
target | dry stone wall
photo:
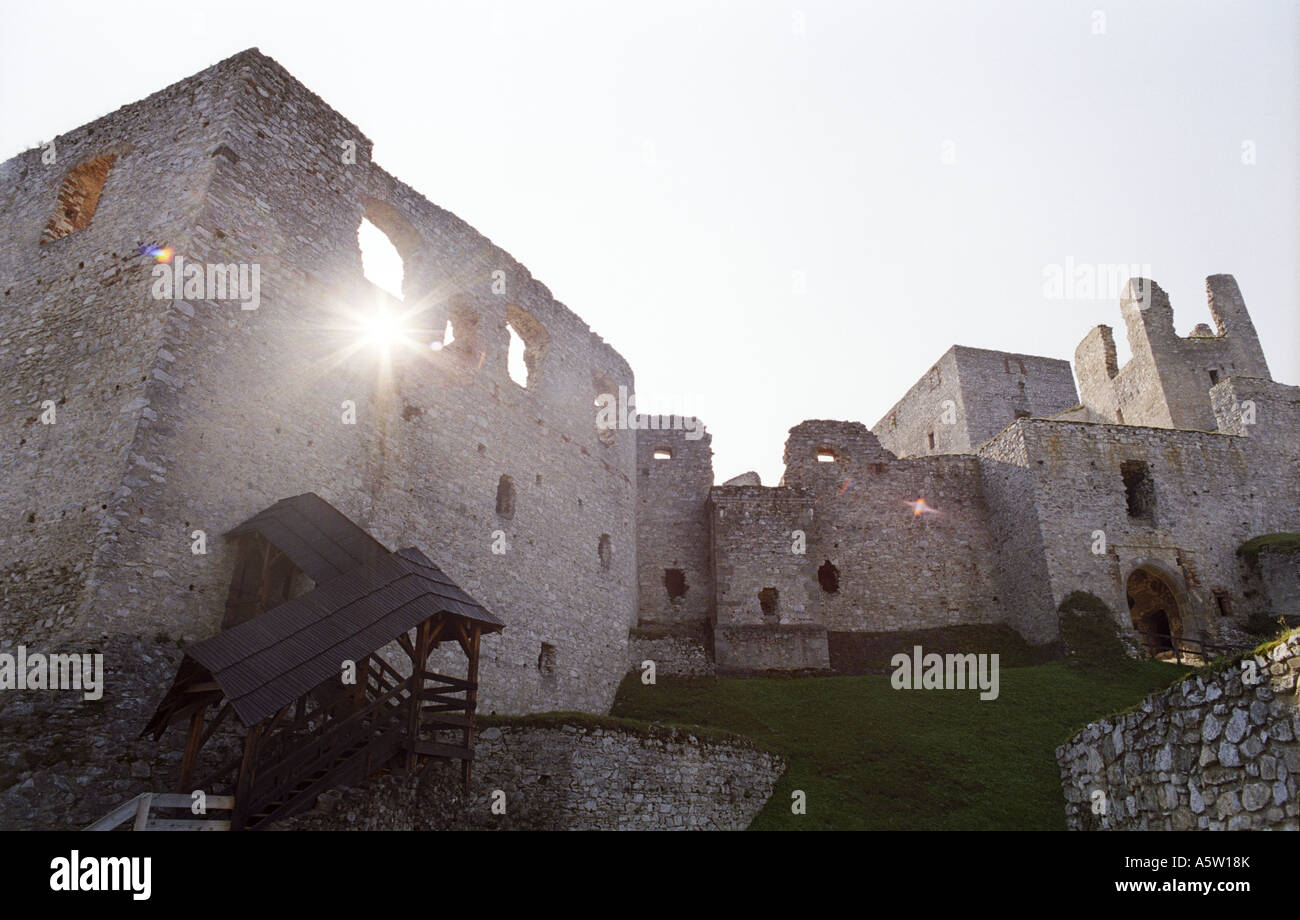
[1218, 751]
[567, 776]
[578, 777]
[673, 656]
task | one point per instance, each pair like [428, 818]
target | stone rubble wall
[568, 777]
[674, 656]
[1213, 752]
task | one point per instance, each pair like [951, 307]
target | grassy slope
[871, 757]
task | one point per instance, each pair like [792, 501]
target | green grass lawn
[872, 757]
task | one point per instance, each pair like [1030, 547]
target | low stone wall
[674, 656]
[1218, 751]
[558, 774]
[752, 648]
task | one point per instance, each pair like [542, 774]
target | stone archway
[1155, 608]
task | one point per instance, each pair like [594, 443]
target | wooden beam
[192, 743]
[418, 654]
[471, 699]
[245, 780]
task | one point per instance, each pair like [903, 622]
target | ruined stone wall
[1167, 380]
[245, 407]
[897, 569]
[1211, 493]
[576, 777]
[870, 563]
[988, 391]
[754, 557]
[569, 776]
[998, 387]
[906, 428]
[672, 524]
[1024, 589]
[1217, 751]
[79, 328]
[674, 656]
[1279, 576]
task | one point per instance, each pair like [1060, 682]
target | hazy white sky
[780, 211]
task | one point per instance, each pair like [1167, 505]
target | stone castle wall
[988, 390]
[1218, 751]
[1211, 494]
[208, 413]
[672, 524]
[80, 329]
[569, 776]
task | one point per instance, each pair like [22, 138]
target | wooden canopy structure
[285, 673]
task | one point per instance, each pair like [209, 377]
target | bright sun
[383, 328]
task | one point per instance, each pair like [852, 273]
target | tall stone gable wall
[218, 412]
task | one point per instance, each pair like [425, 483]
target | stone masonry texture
[1218, 751]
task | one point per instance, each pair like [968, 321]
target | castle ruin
[142, 426]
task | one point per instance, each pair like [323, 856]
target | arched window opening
[528, 344]
[381, 263]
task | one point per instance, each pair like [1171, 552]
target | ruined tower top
[1166, 384]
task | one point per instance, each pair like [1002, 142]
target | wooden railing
[138, 809]
[338, 745]
[1185, 648]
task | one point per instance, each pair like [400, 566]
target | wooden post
[418, 659]
[471, 699]
[243, 786]
[191, 749]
